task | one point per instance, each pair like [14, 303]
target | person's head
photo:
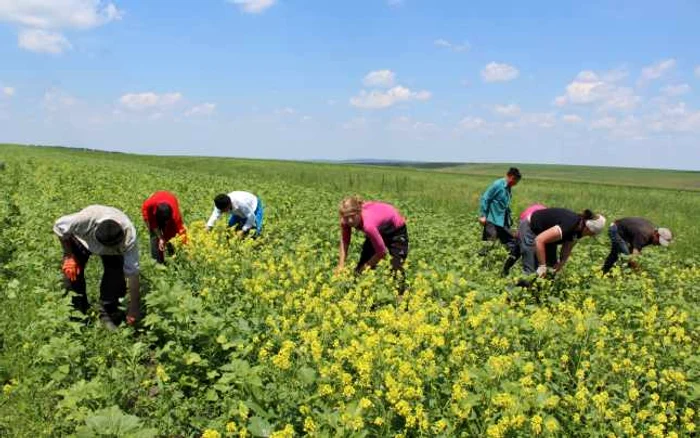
[663, 236]
[350, 210]
[164, 214]
[222, 202]
[593, 224]
[109, 233]
[513, 176]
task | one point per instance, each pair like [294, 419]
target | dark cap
[109, 233]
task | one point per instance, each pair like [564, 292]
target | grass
[616, 192]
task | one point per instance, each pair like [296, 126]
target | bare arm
[373, 261]
[549, 236]
[565, 253]
[343, 248]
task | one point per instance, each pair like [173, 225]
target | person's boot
[111, 319]
[510, 261]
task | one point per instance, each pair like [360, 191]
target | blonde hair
[350, 205]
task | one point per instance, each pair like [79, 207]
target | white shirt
[243, 204]
[82, 226]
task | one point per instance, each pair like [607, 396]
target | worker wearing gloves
[550, 227]
[107, 232]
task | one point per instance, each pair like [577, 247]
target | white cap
[665, 236]
[596, 225]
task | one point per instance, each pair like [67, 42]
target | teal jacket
[495, 204]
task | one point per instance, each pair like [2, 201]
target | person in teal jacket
[495, 215]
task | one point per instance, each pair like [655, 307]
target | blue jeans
[238, 222]
[617, 246]
[528, 249]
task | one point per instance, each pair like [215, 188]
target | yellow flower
[287, 432]
[365, 403]
[536, 424]
[551, 425]
[161, 374]
[309, 425]
[211, 433]
[231, 427]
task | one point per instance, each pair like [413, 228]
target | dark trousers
[528, 249]
[155, 253]
[112, 285]
[617, 246]
[505, 236]
[396, 241]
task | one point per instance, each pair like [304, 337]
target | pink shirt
[375, 215]
[525, 215]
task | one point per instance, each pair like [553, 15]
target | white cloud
[572, 118]
[141, 101]
[59, 14]
[507, 110]
[56, 100]
[615, 75]
[604, 123]
[655, 71]
[41, 20]
[675, 118]
[676, 90]
[43, 41]
[589, 87]
[464, 47]
[495, 72]
[621, 98]
[253, 6]
[204, 109]
[7, 91]
[470, 123]
[379, 78]
[383, 99]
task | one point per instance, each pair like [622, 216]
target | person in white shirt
[245, 210]
[107, 232]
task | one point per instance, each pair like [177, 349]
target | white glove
[542, 270]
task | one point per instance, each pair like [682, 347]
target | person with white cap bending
[629, 235]
[550, 227]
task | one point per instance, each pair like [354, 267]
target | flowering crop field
[259, 338]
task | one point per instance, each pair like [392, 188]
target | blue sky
[611, 82]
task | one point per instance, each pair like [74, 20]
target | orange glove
[71, 268]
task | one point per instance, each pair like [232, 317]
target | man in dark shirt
[629, 235]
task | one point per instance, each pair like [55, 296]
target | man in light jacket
[245, 210]
[108, 233]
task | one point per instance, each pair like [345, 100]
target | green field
[259, 338]
[619, 176]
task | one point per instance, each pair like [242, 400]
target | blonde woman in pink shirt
[384, 229]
